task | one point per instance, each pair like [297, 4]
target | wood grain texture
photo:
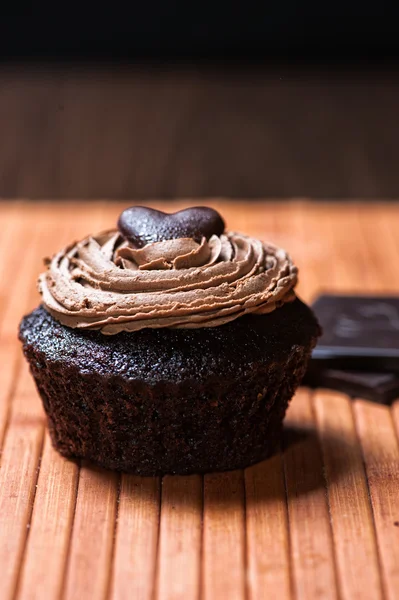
[312, 556]
[318, 520]
[179, 556]
[349, 503]
[268, 558]
[224, 530]
[136, 539]
[18, 477]
[381, 455]
[50, 530]
[90, 553]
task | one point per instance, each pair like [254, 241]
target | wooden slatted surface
[320, 520]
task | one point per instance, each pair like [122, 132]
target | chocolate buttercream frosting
[106, 283]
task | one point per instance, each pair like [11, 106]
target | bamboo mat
[320, 520]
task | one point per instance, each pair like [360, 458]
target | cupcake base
[170, 401]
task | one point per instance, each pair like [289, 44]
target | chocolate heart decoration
[141, 225]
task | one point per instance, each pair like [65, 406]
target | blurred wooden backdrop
[167, 131]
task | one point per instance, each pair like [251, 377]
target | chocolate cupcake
[168, 345]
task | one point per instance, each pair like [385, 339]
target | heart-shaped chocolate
[141, 225]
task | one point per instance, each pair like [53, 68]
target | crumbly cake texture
[160, 401]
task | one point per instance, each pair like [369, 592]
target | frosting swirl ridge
[104, 283]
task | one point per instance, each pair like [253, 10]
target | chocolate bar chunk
[378, 387]
[360, 333]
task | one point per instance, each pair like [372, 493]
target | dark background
[165, 101]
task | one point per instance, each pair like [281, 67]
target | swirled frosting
[104, 283]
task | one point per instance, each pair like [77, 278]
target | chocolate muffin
[169, 345]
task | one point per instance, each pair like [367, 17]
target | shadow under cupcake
[168, 345]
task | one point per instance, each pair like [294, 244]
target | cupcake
[168, 345]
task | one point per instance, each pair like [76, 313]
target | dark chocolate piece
[360, 333]
[377, 387]
[142, 225]
[170, 400]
